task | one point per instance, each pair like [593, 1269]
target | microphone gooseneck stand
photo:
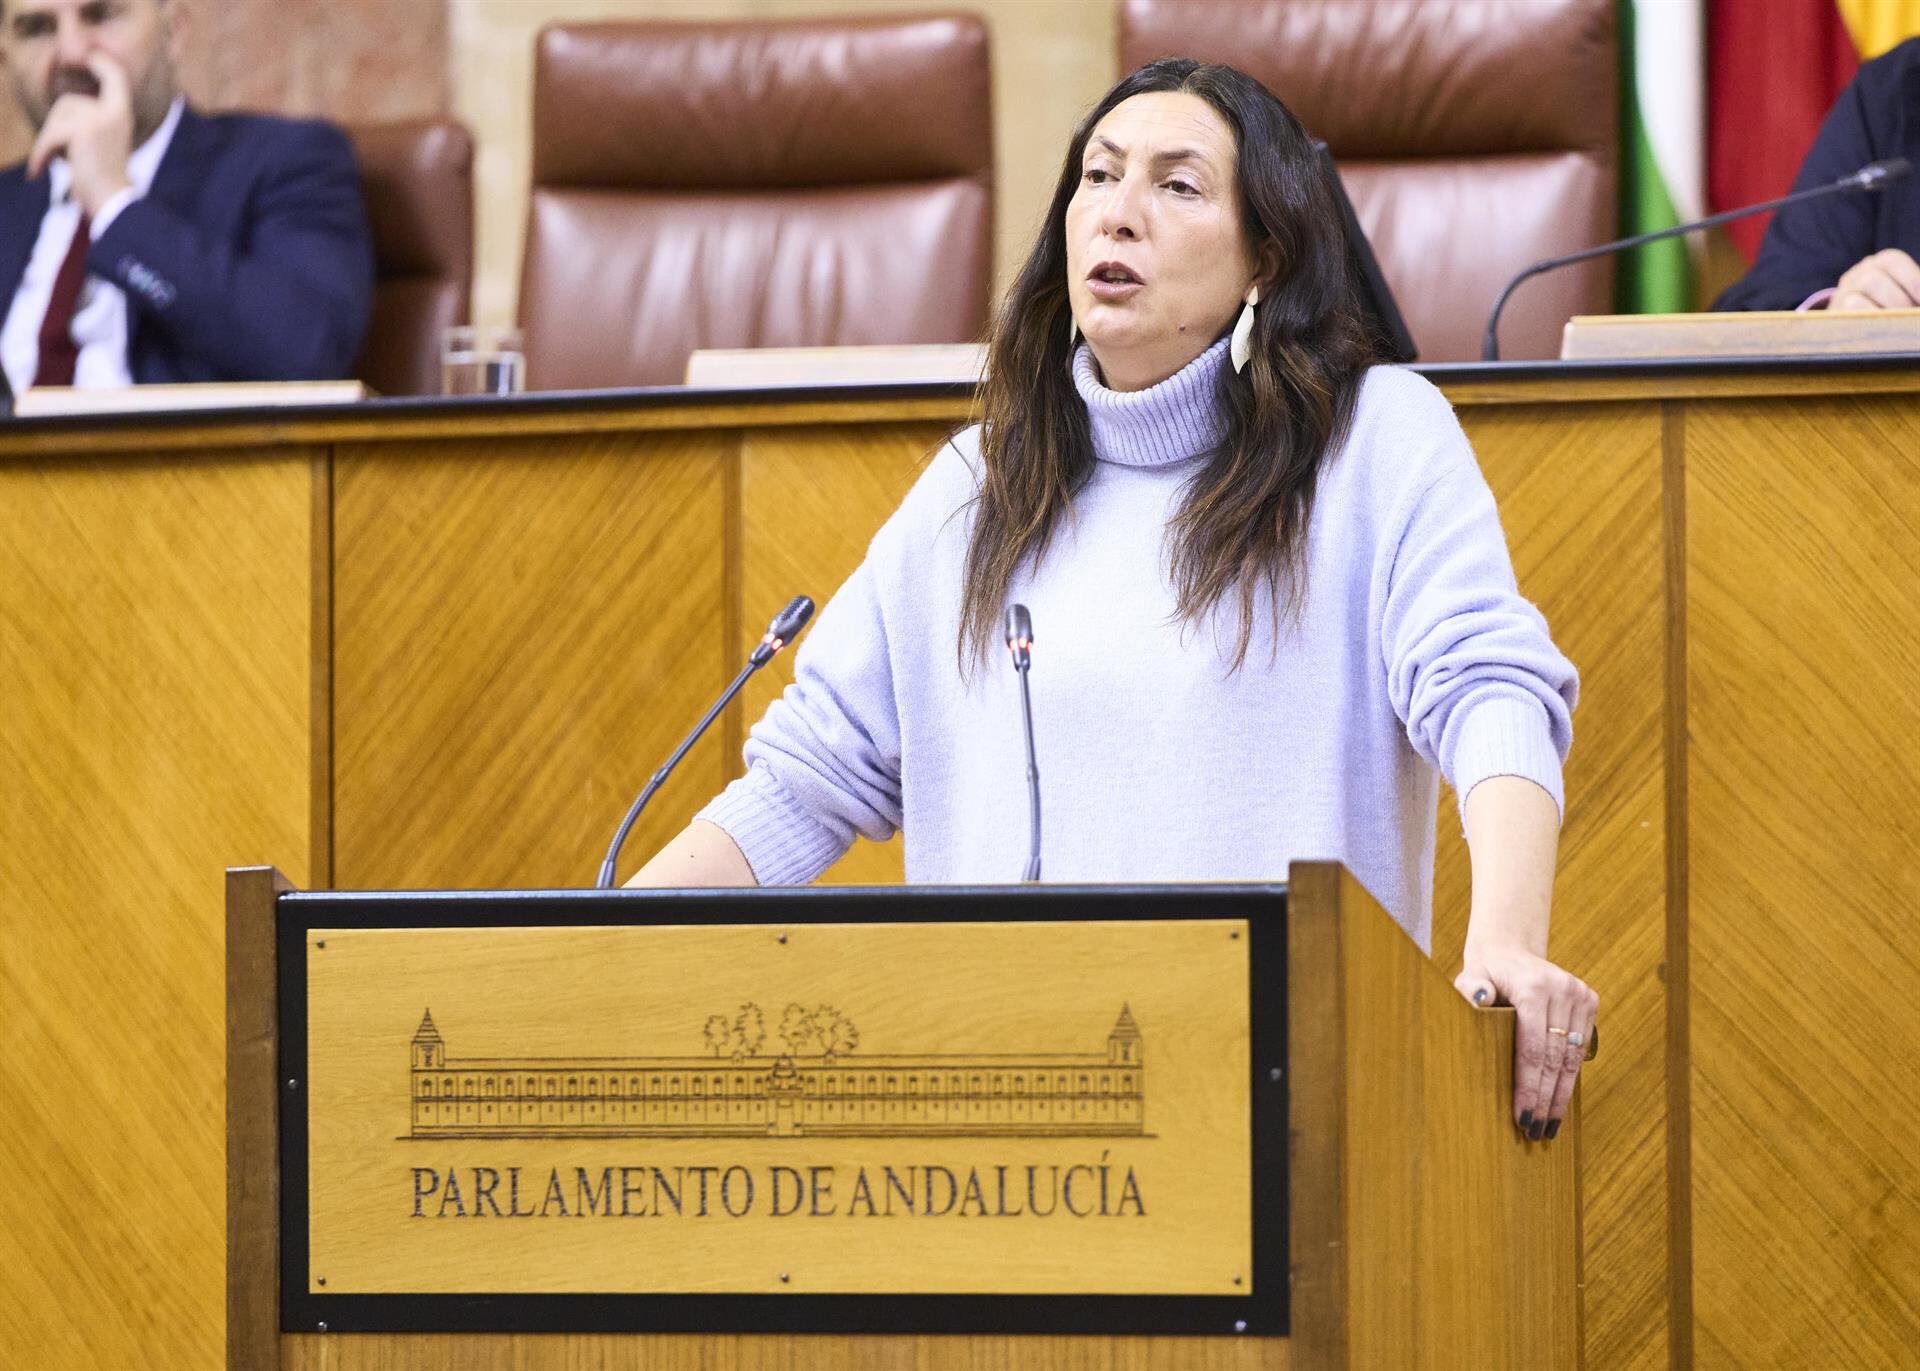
[784, 628]
[1873, 176]
[1020, 643]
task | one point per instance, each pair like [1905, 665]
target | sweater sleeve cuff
[1506, 736]
[783, 843]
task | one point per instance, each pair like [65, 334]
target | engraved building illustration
[1060, 1094]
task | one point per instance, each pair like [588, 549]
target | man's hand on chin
[94, 133]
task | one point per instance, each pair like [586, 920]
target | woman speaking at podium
[1272, 600]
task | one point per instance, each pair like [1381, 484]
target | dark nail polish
[1526, 1120]
[1538, 1131]
[1553, 1130]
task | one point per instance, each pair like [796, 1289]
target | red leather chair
[727, 185]
[418, 182]
[1474, 137]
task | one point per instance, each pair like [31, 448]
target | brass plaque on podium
[945, 1108]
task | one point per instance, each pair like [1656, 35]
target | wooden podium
[1285, 1129]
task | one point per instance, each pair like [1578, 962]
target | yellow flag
[1877, 25]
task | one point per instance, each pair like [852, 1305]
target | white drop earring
[1241, 348]
[1073, 331]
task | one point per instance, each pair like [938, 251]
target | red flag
[1774, 69]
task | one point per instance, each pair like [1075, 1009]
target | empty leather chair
[418, 181]
[728, 185]
[1474, 137]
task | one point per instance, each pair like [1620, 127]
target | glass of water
[482, 361]
[460, 369]
[504, 366]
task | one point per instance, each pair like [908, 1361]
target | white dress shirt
[100, 318]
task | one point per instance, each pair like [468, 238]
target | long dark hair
[1242, 523]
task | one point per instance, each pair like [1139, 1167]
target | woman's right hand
[1550, 1006]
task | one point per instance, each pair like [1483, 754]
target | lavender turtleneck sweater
[1414, 657]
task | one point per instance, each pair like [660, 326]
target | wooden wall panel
[523, 631]
[155, 621]
[1579, 494]
[811, 500]
[351, 60]
[1803, 712]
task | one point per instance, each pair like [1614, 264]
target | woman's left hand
[1555, 1012]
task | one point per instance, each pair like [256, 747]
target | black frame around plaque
[1266, 1313]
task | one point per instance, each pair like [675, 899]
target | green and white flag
[1663, 146]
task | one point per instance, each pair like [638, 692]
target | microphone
[1873, 176]
[1020, 643]
[784, 629]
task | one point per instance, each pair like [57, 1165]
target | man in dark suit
[1849, 251]
[141, 242]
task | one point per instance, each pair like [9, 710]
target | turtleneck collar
[1170, 422]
